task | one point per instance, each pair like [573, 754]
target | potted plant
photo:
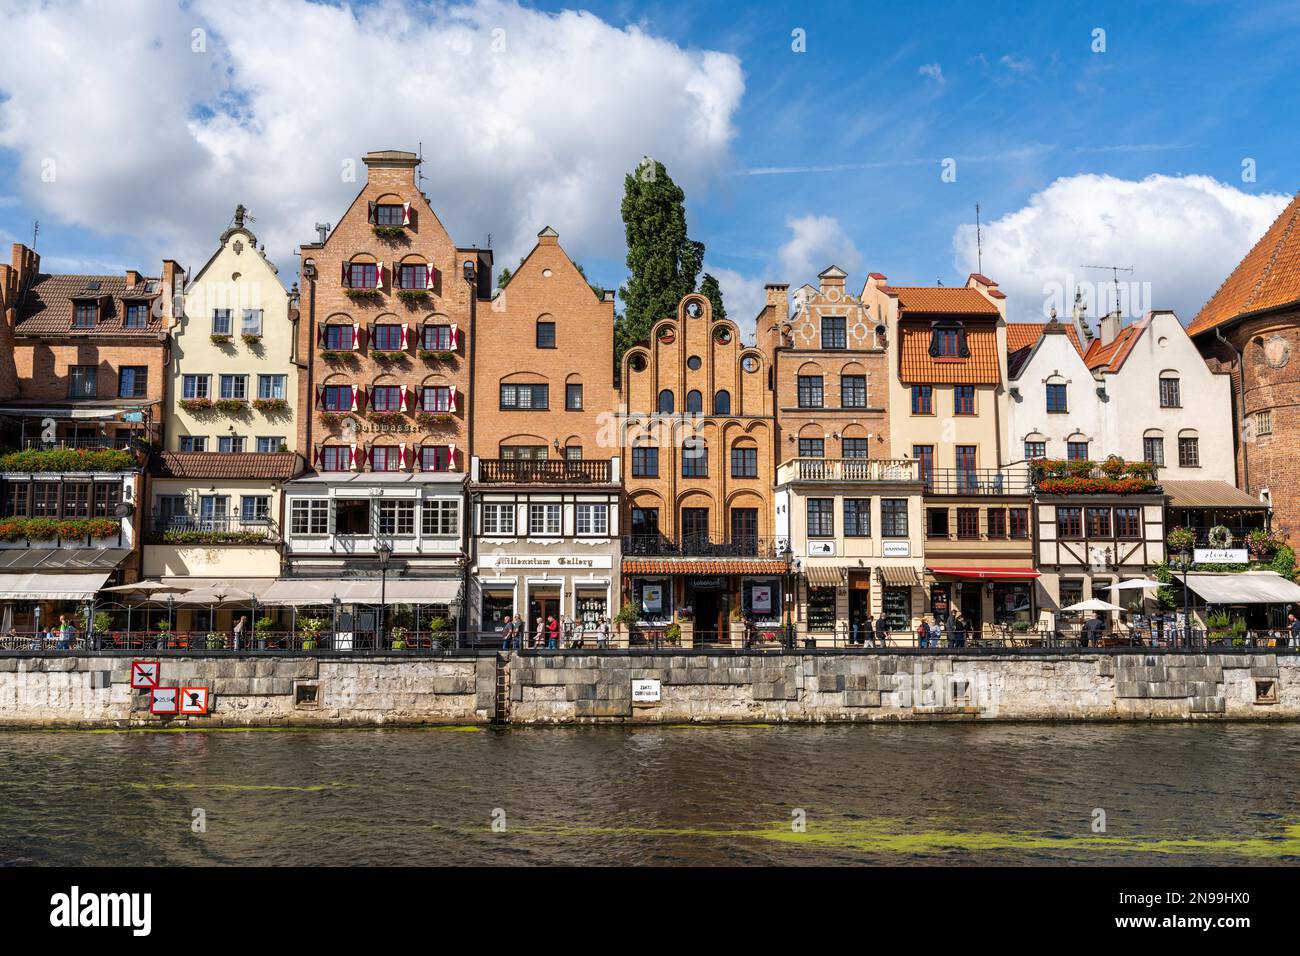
[309, 629]
[388, 358]
[215, 641]
[196, 405]
[413, 296]
[1261, 543]
[270, 405]
[440, 632]
[232, 406]
[219, 338]
[357, 295]
[1181, 539]
[387, 418]
[673, 634]
[390, 232]
[250, 339]
[263, 627]
[398, 638]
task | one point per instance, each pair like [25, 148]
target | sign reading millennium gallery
[504, 562]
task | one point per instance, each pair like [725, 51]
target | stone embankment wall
[90, 690]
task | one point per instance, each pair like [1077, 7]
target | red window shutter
[320, 396]
[406, 336]
[406, 214]
[402, 399]
[352, 457]
[452, 399]
[428, 277]
[455, 338]
[401, 457]
[356, 336]
[379, 274]
[320, 335]
[344, 277]
[372, 213]
[317, 453]
[451, 457]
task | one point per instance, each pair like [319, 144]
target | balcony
[849, 469]
[1085, 477]
[547, 471]
[701, 545]
[186, 529]
[977, 481]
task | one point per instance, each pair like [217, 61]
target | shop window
[1011, 604]
[352, 516]
[896, 605]
[498, 607]
[821, 610]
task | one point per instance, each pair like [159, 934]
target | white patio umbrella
[147, 587]
[1093, 604]
[1135, 584]
[216, 596]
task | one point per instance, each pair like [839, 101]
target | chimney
[768, 331]
[1110, 327]
[14, 280]
[548, 237]
[132, 278]
[391, 167]
[173, 289]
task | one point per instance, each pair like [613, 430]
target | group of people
[550, 632]
[865, 629]
[63, 635]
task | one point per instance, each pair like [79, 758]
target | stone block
[452, 685]
[603, 708]
[862, 698]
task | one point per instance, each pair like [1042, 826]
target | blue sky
[847, 138]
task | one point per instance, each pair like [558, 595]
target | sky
[1156, 137]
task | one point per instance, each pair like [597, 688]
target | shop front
[721, 602]
[577, 590]
[993, 601]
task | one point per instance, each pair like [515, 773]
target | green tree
[503, 277]
[662, 261]
[710, 289]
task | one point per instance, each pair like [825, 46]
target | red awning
[990, 574]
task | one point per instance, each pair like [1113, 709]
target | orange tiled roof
[941, 300]
[1268, 277]
[704, 566]
[1021, 335]
[1110, 357]
[274, 466]
[916, 367]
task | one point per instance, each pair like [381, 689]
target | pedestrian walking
[552, 633]
[603, 632]
[923, 634]
[956, 629]
[1293, 626]
[882, 631]
[539, 639]
[508, 635]
[238, 632]
[867, 629]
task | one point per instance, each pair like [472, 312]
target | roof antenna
[489, 245]
[1114, 271]
[419, 170]
[979, 243]
[323, 230]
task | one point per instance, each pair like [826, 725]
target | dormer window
[137, 315]
[85, 315]
[948, 342]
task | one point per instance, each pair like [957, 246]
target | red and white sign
[145, 675]
[164, 700]
[194, 700]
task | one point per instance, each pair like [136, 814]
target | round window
[723, 335]
[694, 309]
[666, 335]
[637, 364]
[750, 364]
[693, 363]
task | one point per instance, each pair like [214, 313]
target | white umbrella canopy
[1093, 604]
[146, 587]
[215, 595]
[1135, 584]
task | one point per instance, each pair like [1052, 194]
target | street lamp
[453, 609]
[383, 551]
[1186, 558]
[787, 554]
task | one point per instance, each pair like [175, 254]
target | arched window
[694, 402]
[722, 402]
[666, 402]
[1170, 394]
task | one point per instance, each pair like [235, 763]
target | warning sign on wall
[163, 700]
[144, 675]
[194, 700]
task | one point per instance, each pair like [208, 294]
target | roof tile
[942, 300]
[917, 367]
[276, 466]
[47, 307]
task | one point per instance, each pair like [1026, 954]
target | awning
[1208, 494]
[704, 567]
[61, 559]
[51, 587]
[1248, 587]
[305, 591]
[899, 575]
[824, 575]
[988, 574]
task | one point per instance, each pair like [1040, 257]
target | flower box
[434, 419]
[440, 355]
[387, 418]
[413, 296]
[250, 339]
[217, 338]
[363, 293]
[47, 529]
[388, 358]
[231, 406]
[271, 405]
[390, 232]
[67, 459]
[338, 358]
[196, 405]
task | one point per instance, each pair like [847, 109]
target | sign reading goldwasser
[646, 691]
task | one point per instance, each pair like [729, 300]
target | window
[645, 462]
[573, 453]
[1098, 522]
[666, 402]
[1056, 398]
[854, 447]
[230, 444]
[396, 516]
[573, 397]
[693, 363]
[833, 333]
[722, 402]
[387, 214]
[525, 397]
[107, 497]
[45, 499]
[1069, 523]
[524, 452]
[76, 499]
[221, 321]
[1169, 397]
[945, 342]
[352, 516]
[1153, 450]
[196, 386]
[435, 398]
[695, 526]
[924, 455]
[744, 462]
[936, 522]
[255, 508]
[857, 517]
[193, 443]
[269, 444]
[963, 400]
[1019, 522]
[251, 323]
[386, 338]
[821, 517]
[137, 315]
[336, 398]
[386, 398]
[498, 519]
[997, 519]
[896, 606]
[853, 391]
[968, 522]
[1035, 449]
[435, 458]
[133, 381]
[336, 458]
[363, 275]
[810, 391]
[440, 518]
[546, 335]
[84, 315]
[1128, 523]
[16, 500]
[236, 387]
[543, 519]
[309, 516]
[592, 519]
[1076, 450]
[922, 400]
[695, 458]
[694, 402]
[1264, 423]
[413, 275]
[385, 458]
[893, 517]
[645, 521]
[271, 386]
[965, 457]
[83, 381]
[821, 609]
[436, 338]
[812, 447]
[1189, 452]
[338, 338]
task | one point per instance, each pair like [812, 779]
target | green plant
[357, 294]
[390, 232]
[263, 624]
[250, 339]
[196, 405]
[232, 406]
[437, 355]
[387, 418]
[270, 405]
[1262, 543]
[388, 358]
[216, 642]
[432, 419]
[100, 624]
[67, 459]
[413, 296]
[628, 614]
[398, 635]
[309, 629]
[673, 633]
[339, 358]
[1181, 539]
[1220, 536]
[217, 338]
[178, 536]
[47, 529]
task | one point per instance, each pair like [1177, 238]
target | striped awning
[899, 576]
[704, 567]
[824, 575]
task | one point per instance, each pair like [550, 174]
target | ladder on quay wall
[501, 714]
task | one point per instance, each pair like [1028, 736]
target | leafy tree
[710, 289]
[662, 260]
[503, 277]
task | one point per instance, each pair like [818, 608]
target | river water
[940, 794]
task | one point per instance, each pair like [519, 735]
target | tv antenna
[419, 167]
[979, 243]
[36, 231]
[1114, 272]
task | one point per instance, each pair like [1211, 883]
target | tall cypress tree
[710, 289]
[662, 260]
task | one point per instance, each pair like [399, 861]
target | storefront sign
[646, 691]
[144, 675]
[1220, 556]
[761, 599]
[821, 549]
[896, 549]
[560, 561]
[652, 596]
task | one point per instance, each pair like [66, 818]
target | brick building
[545, 474]
[1250, 328]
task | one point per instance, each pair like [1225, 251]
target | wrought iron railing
[700, 545]
[210, 529]
[977, 481]
[543, 471]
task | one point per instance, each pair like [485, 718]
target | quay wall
[91, 690]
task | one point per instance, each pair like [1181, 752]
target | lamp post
[1186, 558]
[383, 551]
[334, 623]
[454, 610]
[787, 553]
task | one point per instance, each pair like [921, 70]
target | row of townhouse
[393, 431]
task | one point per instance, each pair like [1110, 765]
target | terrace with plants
[1114, 476]
[72, 460]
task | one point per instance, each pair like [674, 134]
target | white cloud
[526, 118]
[818, 242]
[1181, 234]
[743, 296]
[933, 70]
